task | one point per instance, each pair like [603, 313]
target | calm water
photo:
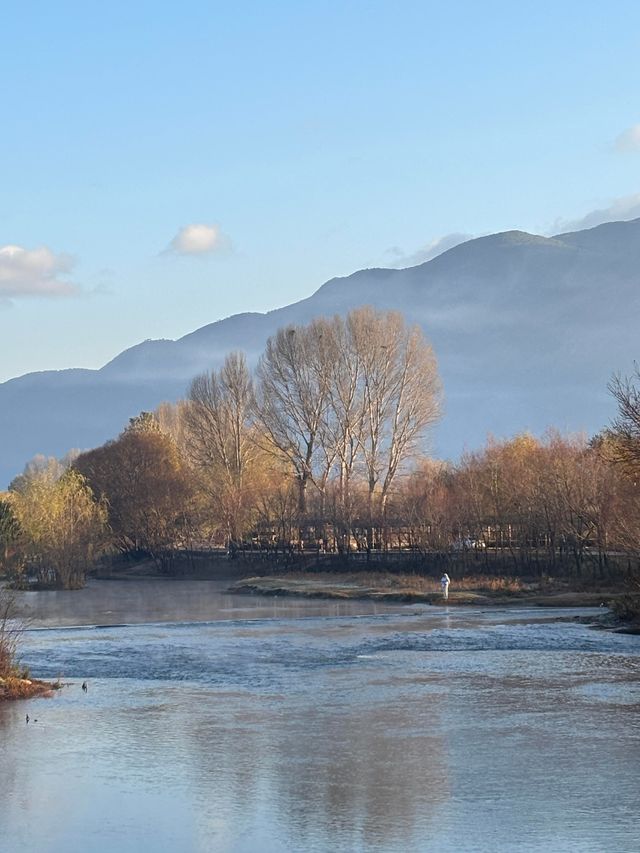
[228, 723]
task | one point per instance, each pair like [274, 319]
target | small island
[469, 591]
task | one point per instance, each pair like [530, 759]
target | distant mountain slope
[527, 330]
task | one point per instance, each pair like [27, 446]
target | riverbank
[13, 687]
[415, 589]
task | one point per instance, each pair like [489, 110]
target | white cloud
[430, 250]
[34, 272]
[629, 139]
[199, 239]
[621, 209]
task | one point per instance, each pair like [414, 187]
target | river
[217, 722]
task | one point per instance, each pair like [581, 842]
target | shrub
[627, 607]
[10, 630]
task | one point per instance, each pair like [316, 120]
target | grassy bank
[412, 588]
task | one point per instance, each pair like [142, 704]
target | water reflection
[403, 730]
[127, 602]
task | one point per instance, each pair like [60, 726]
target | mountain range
[527, 330]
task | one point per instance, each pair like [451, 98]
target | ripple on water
[409, 730]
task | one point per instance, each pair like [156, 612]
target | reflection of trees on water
[11, 779]
[151, 600]
[376, 773]
[372, 773]
[541, 752]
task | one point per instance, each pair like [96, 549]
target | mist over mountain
[527, 331]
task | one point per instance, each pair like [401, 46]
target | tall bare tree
[401, 395]
[220, 438]
[292, 397]
[344, 423]
[624, 435]
[348, 393]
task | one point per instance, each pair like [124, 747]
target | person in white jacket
[445, 580]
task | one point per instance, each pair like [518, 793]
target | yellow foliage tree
[62, 524]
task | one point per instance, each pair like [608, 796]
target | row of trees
[335, 408]
[324, 447]
[554, 504]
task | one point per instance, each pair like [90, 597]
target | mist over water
[221, 722]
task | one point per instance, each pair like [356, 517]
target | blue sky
[309, 139]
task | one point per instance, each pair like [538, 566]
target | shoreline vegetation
[14, 687]
[15, 682]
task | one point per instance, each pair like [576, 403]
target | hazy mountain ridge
[527, 330]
